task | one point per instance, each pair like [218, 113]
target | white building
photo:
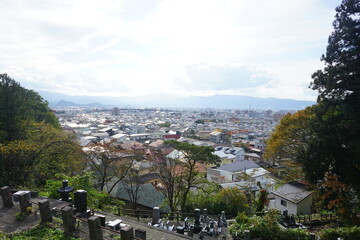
[242, 174]
[295, 200]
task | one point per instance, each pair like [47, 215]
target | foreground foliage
[41, 232]
[99, 200]
[265, 228]
[32, 146]
[231, 200]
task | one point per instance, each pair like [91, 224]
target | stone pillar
[23, 198]
[6, 197]
[127, 233]
[68, 219]
[94, 223]
[156, 215]
[246, 234]
[80, 201]
[206, 219]
[45, 212]
[140, 234]
[312, 236]
[223, 219]
[197, 217]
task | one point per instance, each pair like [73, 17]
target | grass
[42, 232]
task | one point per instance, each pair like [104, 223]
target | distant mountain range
[57, 100]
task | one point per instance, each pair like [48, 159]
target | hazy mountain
[63, 103]
[168, 100]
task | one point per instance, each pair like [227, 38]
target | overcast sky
[264, 48]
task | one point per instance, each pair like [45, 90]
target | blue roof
[238, 166]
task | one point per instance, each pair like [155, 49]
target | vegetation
[215, 200]
[265, 228]
[324, 140]
[347, 233]
[110, 163]
[32, 146]
[165, 124]
[192, 156]
[182, 173]
[95, 199]
[41, 232]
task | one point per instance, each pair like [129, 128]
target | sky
[265, 48]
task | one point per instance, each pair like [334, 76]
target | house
[217, 137]
[252, 157]
[293, 198]
[237, 152]
[120, 137]
[143, 191]
[243, 174]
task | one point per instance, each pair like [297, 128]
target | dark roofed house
[148, 196]
[294, 199]
[238, 166]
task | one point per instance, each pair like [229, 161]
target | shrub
[346, 233]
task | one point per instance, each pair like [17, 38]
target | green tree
[231, 200]
[334, 143]
[17, 105]
[43, 151]
[192, 156]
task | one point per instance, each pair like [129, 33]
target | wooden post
[137, 214]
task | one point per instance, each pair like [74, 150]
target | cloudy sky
[264, 48]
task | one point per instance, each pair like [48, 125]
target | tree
[172, 180]
[188, 166]
[19, 106]
[132, 185]
[231, 200]
[44, 151]
[288, 142]
[110, 162]
[334, 143]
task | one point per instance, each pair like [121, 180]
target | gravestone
[155, 216]
[197, 227]
[80, 201]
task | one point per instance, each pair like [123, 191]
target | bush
[265, 228]
[346, 233]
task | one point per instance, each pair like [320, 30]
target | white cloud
[180, 46]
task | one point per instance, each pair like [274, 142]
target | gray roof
[292, 193]
[147, 195]
[238, 166]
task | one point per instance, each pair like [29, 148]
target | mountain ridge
[172, 101]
